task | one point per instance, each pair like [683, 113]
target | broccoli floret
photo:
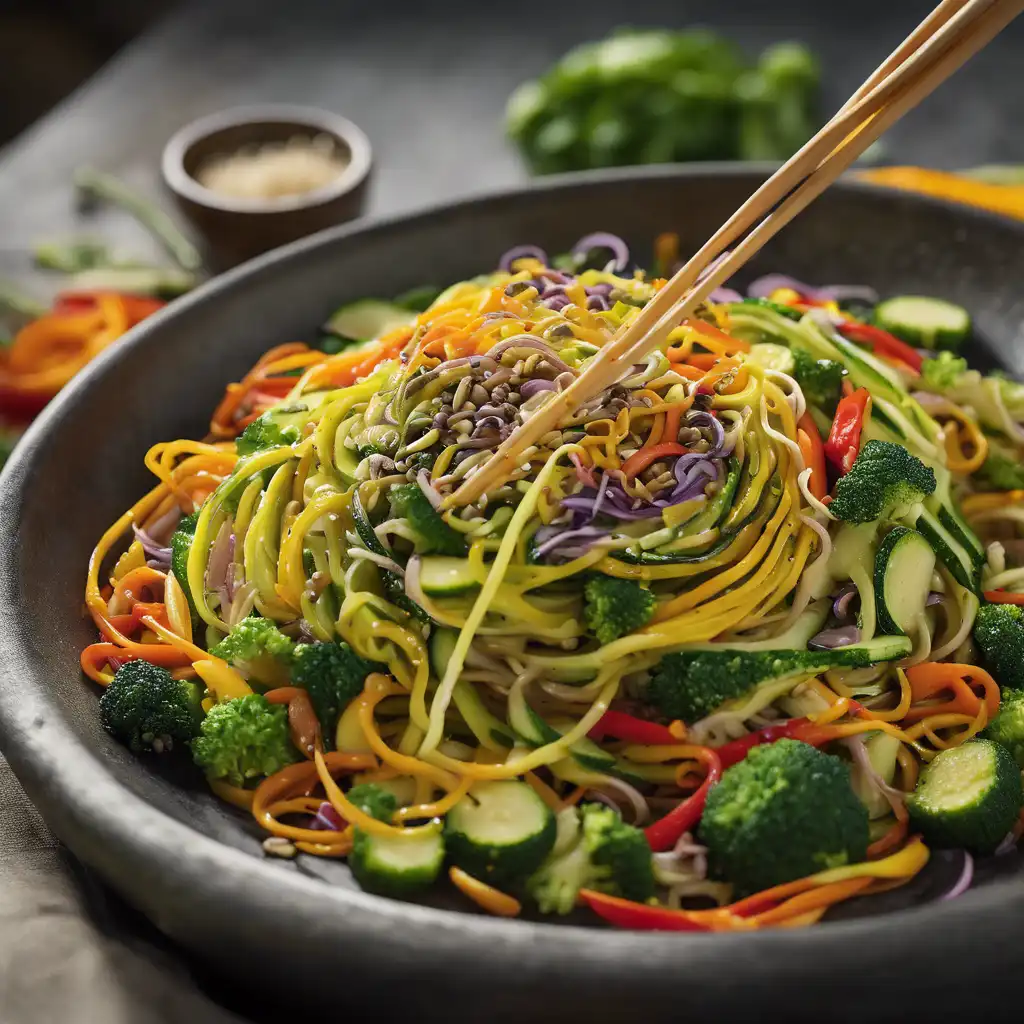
[146, 708]
[1007, 728]
[436, 537]
[692, 684]
[332, 674]
[392, 865]
[181, 544]
[784, 812]
[999, 632]
[595, 849]
[1001, 473]
[374, 800]
[260, 649]
[821, 380]
[615, 607]
[886, 481]
[264, 433]
[245, 738]
[943, 371]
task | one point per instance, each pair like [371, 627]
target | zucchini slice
[444, 576]
[959, 562]
[968, 797]
[442, 646]
[904, 564]
[924, 322]
[500, 830]
[368, 319]
[770, 356]
[397, 865]
[538, 731]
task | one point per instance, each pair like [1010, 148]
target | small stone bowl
[235, 229]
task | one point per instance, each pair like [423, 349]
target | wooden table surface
[428, 83]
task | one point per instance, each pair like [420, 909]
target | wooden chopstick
[950, 35]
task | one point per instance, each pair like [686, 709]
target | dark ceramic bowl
[195, 866]
[236, 229]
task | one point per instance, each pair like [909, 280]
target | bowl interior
[85, 456]
[247, 129]
[248, 135]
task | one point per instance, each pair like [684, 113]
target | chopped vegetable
[245, 738]
[1007, 728]
[392, 865]
[968, 797]
[435, 536]
[821, 380]
[333, 676]
[843, 444]
[785, 811]
[148, 710]
[181, 543]
[258, 648]
[999, 633]
[595, 850]
[500, 831]
[615, 607]
[924, 322]
[691, 684]
[884, 482]
[264, 433]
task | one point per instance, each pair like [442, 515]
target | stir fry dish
[741, 639]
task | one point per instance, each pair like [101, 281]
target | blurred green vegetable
[656, 96]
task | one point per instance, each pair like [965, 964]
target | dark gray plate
[302, 929]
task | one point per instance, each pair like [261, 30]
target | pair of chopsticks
[946, 39]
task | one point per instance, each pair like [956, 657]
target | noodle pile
[698, 475]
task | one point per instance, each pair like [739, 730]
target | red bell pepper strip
[632, 730]
[882, 343]
[813, 452]
[137, 307]
[641, 916]
[802, 729]
[665, 833]
[1003, 597]
[843, 442]
[18, 408]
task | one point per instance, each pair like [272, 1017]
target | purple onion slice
[522, 252]
[837, 636]
[963, 883]
[603, 240]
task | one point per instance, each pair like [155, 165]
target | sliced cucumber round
[924, 322]
[397, 865]
[443, 576]
[368, 319]
[968, 797]
[499, 831]
[904, 565]
[770, 356]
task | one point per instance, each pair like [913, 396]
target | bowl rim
[92, 811]
[326, 122]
